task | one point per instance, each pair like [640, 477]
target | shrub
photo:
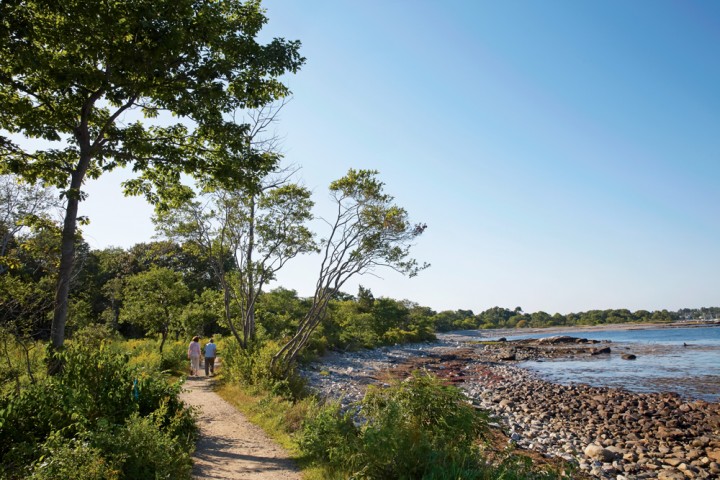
[97, 396]
[143, 449]
[64, 458]
[416, 424]
[251, 366]
[407, 430]
[174, 357]
[329, 435]
[95, 334]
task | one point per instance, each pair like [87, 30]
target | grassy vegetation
[112, 413]
[418, 428]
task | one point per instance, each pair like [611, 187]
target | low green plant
[112, 408]
[143, 448]
[419, 428]
[251, 366]
[402, 431]
[63, 458]
[144, 354]
[329, 436]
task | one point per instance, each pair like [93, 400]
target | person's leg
[210, 366]
[195, 364]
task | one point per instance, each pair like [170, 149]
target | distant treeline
[498, 317]
[165, 287]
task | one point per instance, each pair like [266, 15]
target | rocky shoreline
[606, 432]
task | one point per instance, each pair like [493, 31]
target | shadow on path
[230, 447]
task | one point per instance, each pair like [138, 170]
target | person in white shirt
[194, 355]
[210, 352]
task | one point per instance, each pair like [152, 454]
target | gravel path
[230, 447]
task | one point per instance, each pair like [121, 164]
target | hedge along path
[230, 447]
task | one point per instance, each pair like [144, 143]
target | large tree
[73, 71]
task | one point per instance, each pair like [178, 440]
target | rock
[669, 433]
[713, 455]
[700, 442]
[670, 474]
[597, 452]
[628, 356]
[557, 339]
[672, 461]
[600, 351]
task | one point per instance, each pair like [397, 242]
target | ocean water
[681, 360]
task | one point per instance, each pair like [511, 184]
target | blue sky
[565, 155]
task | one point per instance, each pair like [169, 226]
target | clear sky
[565, 155]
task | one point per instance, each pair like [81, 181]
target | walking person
[194, 355]
[210, 353]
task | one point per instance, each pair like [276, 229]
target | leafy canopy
[71, 70]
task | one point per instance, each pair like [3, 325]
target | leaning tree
[88, 86]
[368, 232]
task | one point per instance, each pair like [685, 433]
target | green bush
[145, 354]
[251, 366]
[64, 458]
[174, 357]
[97, 395]
[407, 430]
[417, 424]
[329, 435]
[142, 448]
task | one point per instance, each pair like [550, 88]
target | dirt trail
[230, 447]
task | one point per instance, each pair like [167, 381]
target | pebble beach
[603, 432]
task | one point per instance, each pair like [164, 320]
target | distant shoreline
[512, 332]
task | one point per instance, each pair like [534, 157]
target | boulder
[557, 339]
[672, 461]
[597, 452]
[600, 351]
[628, 356]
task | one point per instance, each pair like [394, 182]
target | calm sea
[681, 360]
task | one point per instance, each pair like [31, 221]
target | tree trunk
[282, 362]
[228, 315]
[249, 327]
[11, 369]
[67, 258]
[163, 337]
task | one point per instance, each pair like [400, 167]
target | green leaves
[154, 299]
[370, 230]
[69, 70]
[72, 71]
